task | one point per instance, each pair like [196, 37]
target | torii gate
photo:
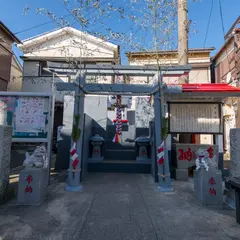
[162, 93]
[80, 87]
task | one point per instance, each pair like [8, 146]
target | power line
[39, 25]
[208, 24]
[223, 30]
[221, 15]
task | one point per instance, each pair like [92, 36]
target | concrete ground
[114, 207]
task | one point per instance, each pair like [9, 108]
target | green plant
[165, 128]
[76, 132]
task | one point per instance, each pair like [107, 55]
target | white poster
[30, 115]
[195, 118]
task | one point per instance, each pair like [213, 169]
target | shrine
[161, 113]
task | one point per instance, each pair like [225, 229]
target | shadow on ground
[114, 207]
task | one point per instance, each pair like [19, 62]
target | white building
[66, 45]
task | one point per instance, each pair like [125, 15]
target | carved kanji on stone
[185, 155]
[212, 191]
[29, 179]
[28, 189]
[210, 152]
[211, 181]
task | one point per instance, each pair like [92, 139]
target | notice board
[28, 115]
[195, 118]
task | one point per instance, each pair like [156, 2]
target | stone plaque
[208, 187]
[186, 157]
[32, 186]
[195, 118]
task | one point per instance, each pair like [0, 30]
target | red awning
[208, 87]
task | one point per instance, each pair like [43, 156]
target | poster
[195, 118]
[30, 115]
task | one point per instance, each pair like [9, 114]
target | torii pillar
[74, 175]
[163, 170]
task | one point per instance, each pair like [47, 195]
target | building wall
[5, 60]
[15, 84]
[43, 85]
[64, 48]
[225, 63]
[198, 74]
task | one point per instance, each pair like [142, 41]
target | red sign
[212, 191]
[188, 155]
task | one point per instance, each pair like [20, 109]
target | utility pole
[183, 29]
[183, 25]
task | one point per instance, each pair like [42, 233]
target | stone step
[125, 145]
[115, 166]
[121, 154]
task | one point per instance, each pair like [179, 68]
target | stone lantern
[143, 143]
[97, 142]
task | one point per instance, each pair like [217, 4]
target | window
[42, 72]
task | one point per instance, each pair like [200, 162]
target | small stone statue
[38, 159]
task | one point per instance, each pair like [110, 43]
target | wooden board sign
[195, 118]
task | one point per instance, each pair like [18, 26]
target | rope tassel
[118, 134]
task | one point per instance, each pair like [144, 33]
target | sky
[13, 16]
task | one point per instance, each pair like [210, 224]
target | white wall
[42, 85]
[69, 46]
[196, 75]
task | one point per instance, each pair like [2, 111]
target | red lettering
[96, 151]
[143, 153]
[28, 189]
[211, 181]
[212, 191]
[29, 179]
[181, 157]
[185, 155]
[210, 152]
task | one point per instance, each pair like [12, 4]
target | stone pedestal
[234, 170]
[235, 153]
[97, 142]
[32, 186]
[142, 143]
[208, 187]
[5, 153]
